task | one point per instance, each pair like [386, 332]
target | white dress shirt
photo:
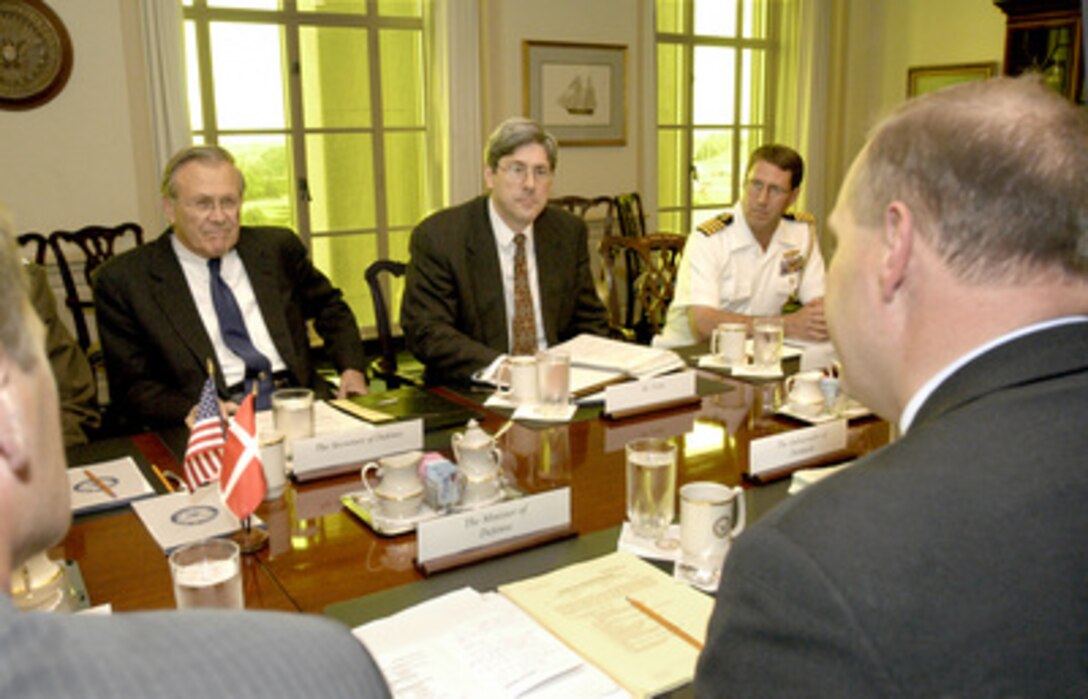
[234, 274]
[504, 241]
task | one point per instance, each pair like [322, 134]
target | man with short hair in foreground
[183, 655]
[953, 562]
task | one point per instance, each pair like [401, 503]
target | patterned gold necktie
[524, 340]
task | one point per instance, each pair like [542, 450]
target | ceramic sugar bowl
[476, 454]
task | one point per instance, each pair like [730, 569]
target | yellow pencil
[665, 622]
[162, 478]
[98, 481]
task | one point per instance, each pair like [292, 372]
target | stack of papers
[121, 476]
[180, 518]
[637, 361]
[614, 626]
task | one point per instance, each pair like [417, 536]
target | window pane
[405, 169]
[400, 8]
[671, 84]
[248, 76]
[670, 16]
[265, 161]
[353, 7]
[246, 4]
[714, 82]
[750, 139]
[335, 77]
[343, 258]
[712, 160]
[753, 78]
[192, 74]
[341, 172]
[716, 17]
[755, 19]
[671, 167]
[402, 86]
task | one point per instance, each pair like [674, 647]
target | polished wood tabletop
[319, 553]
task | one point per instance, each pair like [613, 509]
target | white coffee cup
[803, 388]
[522, 374]
[400, 493]
[711, 516]
[727, 343]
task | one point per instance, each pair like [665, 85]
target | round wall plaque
[35, 54]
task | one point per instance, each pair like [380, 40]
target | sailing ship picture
[576, 94]
[577, 91]
[579, 97]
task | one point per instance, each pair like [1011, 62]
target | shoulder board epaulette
[709, 228]
[800, 216]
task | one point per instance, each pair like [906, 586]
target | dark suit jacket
[167, 655]
[454, 311]
[952, 563]
[155, 344]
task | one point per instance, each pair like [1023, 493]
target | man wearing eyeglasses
[753, 260]
[504, 273]
[210, 288]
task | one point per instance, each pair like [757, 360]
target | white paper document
[472, 645]
[634, 360]
[179, 518]
[121, 476]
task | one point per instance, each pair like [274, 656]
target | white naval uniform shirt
[730, 271]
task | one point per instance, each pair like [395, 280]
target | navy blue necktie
[233, 328]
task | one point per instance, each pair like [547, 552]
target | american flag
[203, 455]
[241, 483]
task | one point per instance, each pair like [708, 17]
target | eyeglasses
[519, 171]
[206, 205]
[757, 187]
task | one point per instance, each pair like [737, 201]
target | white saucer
[820, 415]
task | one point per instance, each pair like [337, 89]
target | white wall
[81, 159]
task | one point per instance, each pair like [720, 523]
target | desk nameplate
[329, 454]
[644, 395]
[465, 537]
[775, 454]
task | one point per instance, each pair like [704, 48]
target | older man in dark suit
[504, 273]
[952, 563]
[211, 289]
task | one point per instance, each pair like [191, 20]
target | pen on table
[162, 478]
[98, 481]
[665, 622]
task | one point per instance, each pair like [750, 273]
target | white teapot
[476, 453]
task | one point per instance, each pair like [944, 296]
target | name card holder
[338, 452]
[646, 395]
[770, 458]
[511, 525]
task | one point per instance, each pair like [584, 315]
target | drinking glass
[207, 574]
[293, 414]
[651, 486]
[553, 381]
[767, 335]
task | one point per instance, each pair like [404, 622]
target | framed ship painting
[578, 92]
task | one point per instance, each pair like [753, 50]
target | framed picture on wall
[578, 92]
[923, 79]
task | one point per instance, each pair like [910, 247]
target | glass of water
[207, 574]
[553, 381]
[651, 486]
[767, 333]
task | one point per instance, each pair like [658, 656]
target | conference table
[321, 558]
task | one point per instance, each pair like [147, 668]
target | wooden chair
[78, 255]
[385, 366]
[599, 213]
[34, 246]
[651, 285]
[632, 220]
